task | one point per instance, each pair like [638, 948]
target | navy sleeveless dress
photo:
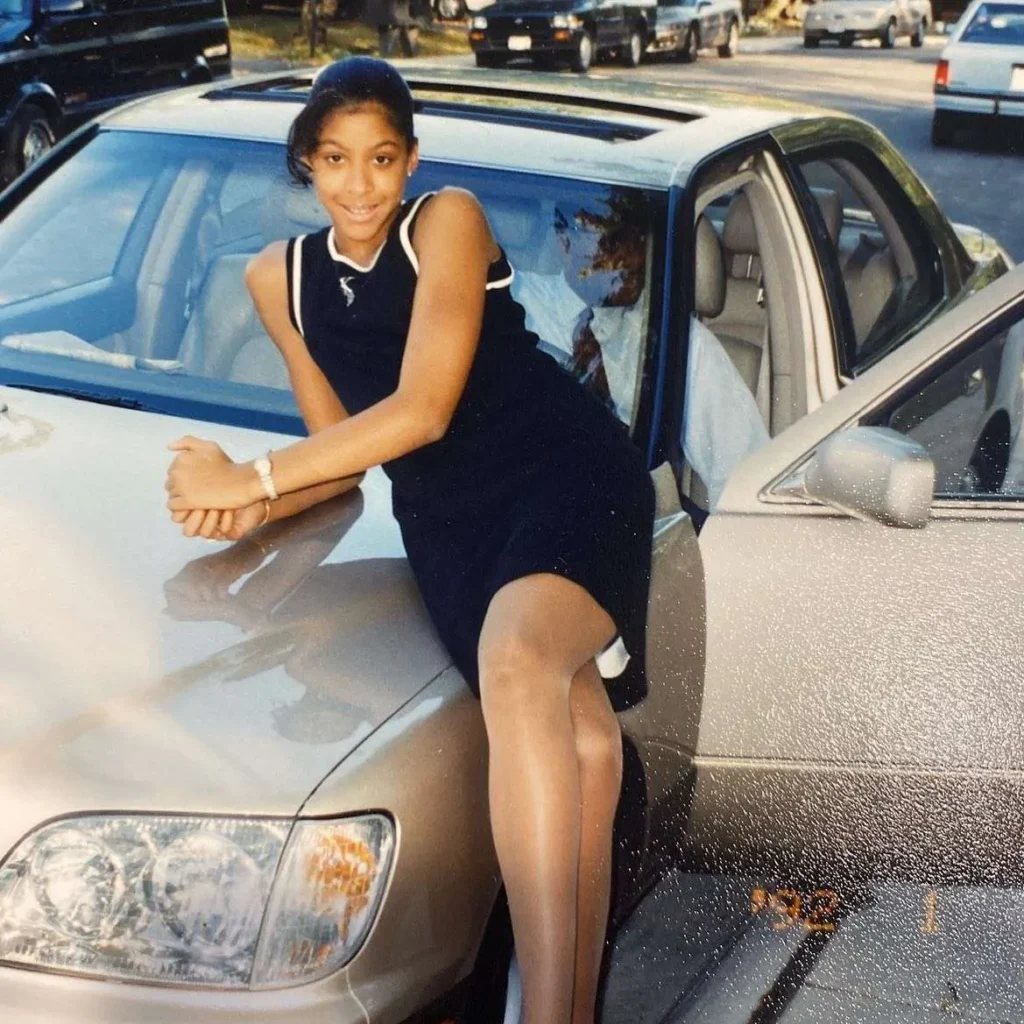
[534, 474]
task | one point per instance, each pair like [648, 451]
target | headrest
[739, 235]
[709, 289]
[514, 224]
[831, 209]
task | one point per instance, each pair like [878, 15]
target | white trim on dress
[612, 661]
[297, 283]
[338, 257]
[403, 231]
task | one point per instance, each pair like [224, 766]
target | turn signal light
[942, 74]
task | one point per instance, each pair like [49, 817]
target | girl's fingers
[187, 443]
[180, 516]
[194, 521]
[208, 527]
[227, 520]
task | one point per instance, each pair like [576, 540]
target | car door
[611, 23]
[151, 45]
[860, 706]
[73, 55]
[888, 258]
[711, 23]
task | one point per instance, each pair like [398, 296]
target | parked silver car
[846, 21]
[244, 782]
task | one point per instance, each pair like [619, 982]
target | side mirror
[872, 473]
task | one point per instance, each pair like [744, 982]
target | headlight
[185, 900]
[478, 23]
[559, 21]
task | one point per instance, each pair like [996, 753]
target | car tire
[811, 43]
[30, 137]
[846, 42]
[633, 51]
[943, 130]
[888, 36]
[688, 52]
[731, 45]
[582, 54]
[917, 39]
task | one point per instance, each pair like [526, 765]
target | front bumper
[33, 997]
[553, 42]
[847, 32]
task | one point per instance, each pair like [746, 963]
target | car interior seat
[869, 268]
[742, 326]
[225, 339]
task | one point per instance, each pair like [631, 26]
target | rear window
[124, 269]
[1001, 24]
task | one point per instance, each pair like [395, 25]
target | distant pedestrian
[394, 24]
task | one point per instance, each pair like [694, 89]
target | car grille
[538, 28]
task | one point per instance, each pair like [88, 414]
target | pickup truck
[580, 31]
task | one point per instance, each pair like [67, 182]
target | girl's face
[359, 170]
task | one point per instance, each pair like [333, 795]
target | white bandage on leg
[612, 661]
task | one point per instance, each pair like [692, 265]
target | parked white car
[980, 75]
[848, 20]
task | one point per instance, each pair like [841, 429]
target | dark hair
[348, 84]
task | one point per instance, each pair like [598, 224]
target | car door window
[967, 415]
[882, 265]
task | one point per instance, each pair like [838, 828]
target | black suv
[568, 30]
[64, 61]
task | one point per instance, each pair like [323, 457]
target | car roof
[643, 133]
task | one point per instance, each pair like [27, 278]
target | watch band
[263, 470]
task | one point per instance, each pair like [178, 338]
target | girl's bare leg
[599, 755]
[539, 632]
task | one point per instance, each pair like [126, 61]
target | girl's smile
[359, 171]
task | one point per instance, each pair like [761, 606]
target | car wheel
[888, 36]
[917, 39]
[732, 44]
[943, 132]
[633, 51]
[691, 45]
[811, 43]
[583, 54]
[29, 138]
[846, 42]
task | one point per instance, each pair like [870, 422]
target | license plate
[1017, 80]
[519, 42]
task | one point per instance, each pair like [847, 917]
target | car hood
[12, 29]
[143, 670]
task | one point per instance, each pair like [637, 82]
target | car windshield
[122, 273]
[1001, 24]
[13, 8]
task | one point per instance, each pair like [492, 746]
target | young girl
[526, 511]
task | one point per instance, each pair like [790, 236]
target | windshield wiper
[61, 343]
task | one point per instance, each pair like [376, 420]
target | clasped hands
[212, 496]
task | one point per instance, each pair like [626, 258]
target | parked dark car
[64, 61]
[579, 31]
